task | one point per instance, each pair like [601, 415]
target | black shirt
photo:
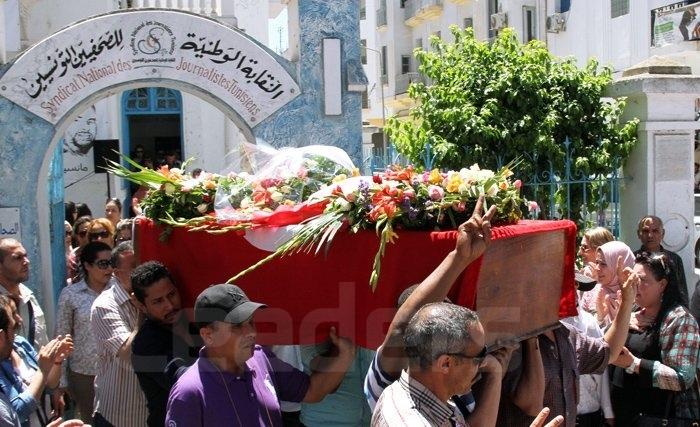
[159, 356]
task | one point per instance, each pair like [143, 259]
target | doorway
[152, 129]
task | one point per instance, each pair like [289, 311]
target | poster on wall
[78, 144]
[676, 25]
[9, 224]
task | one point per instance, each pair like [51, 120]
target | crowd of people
[126, 353]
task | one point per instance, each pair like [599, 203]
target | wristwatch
[633, 366]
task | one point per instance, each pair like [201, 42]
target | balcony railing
[202, 7]
[404, 80]
[416, 11]
[381, 17]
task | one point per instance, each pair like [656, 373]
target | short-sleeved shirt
[407, 402]
[207, 396]
[347, 406]
[156, 348]
[573, 354]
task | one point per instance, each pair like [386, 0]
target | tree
[490, 103]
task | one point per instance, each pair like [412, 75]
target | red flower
[376, 178]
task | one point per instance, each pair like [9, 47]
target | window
[384, 59]
[619, 8]
[438, 34]
[365, 100]
[363, 51]
[403, 3]
[405, 64]
[529, 24]
[363, 10]
[493, 8]
[419, 43]
[468, 23]
[561, 6]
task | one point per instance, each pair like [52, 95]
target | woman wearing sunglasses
[74, 318]
[655, 373]
[101, 230]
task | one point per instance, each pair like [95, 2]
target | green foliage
[490, 103]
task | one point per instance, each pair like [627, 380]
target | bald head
[14, 264]
[651, 232]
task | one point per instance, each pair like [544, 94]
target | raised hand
[48, 355]
[629, 288]
[475, 234]
[343, 344]
[542, 416]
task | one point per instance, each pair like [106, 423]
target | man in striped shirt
[472, 240]
[119, 400]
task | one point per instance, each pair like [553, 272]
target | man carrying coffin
[238, 381]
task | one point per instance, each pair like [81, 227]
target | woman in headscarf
[603, 300]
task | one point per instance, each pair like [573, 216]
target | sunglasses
[103, 264]
[99, 234]
[477, 359]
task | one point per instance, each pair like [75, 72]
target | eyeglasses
[477, 359]
[585, 247]
[99, 234]
[81, 233]
[103, 264]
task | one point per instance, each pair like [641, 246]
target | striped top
[377, 380]
[407, 402]
[118, 396]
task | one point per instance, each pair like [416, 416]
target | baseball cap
[224, 303]
[584, 282]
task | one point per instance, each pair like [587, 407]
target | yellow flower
[209, 185]
[453, 183]
[435, 177]
[339, 178]
[355, 172]
[503, 185]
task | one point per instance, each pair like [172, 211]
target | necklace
[228, 393]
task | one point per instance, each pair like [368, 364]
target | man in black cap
[238, 381]
[165, 344]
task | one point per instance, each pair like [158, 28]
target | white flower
[245, 203]
[492, 190]
[202, 208]
[276, 196]
[342, 205]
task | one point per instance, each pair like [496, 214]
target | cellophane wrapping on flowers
[263, 179]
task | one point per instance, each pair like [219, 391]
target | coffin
[523, 284]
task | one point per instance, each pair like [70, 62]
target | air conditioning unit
[556, 22]
[499, 21]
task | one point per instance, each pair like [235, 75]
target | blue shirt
[11, 384]
[347, 406]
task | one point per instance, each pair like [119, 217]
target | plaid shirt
[680, 348]
[572, 354]
[407, 402]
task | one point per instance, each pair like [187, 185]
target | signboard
[9, 223]
[55, 75]
[676, 25]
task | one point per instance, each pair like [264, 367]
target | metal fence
[587, 199]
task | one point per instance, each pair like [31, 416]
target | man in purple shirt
[237, 382]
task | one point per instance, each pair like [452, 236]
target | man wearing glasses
[445, 347]
[14, 269]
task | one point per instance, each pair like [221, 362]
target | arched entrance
[43, 90]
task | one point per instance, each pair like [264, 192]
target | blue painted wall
[302, 121]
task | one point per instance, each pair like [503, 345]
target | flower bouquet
[401, 198]
[238, 200]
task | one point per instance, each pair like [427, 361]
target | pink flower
[533, 206]
[436, 192]
[517, 184]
